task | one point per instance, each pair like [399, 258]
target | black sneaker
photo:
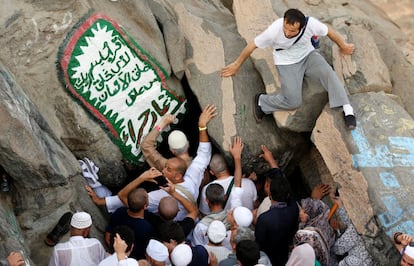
[350, 121]
[257, 110]
[60, 229]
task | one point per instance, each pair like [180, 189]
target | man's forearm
[247, 51]
[237, 172]
[336, 37]
[149, 151]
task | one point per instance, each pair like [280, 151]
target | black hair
[247, 252]
[126, 233]
[171, 230]
[279, 189]
[293, 16]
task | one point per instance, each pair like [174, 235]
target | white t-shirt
[247, 199]
[274, 37]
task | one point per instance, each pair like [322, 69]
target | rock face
[46, 128]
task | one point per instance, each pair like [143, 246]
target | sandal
[61, 228]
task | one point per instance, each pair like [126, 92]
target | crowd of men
[187, 220]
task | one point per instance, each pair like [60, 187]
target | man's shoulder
[231, 260]
[247, 182]
[121, 211]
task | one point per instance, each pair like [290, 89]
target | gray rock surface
[44, 130]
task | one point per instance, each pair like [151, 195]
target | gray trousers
[291, 78]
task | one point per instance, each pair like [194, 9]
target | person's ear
[85, 232]
[130, 250]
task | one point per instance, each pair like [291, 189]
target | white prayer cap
[177, 140]
[157, 250]
[181, 255]
[409, 250]
[216, 232]
[81, 220]
[243, 216]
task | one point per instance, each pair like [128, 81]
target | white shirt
[264, 206]
[247, 199]
[113, 261]
[192, 181]
[274, 37]
[78, 251]
[220, 252]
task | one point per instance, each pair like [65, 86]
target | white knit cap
[81, 220]
[157, 250]
[243, 216]
[409, 250]
[177, 140]
[216, 232]
[181, 255]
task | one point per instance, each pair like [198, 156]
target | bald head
[168, 208]
[218, 164]
[180, 165]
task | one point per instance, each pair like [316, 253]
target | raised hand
[120, 247]
[268, 157]
[209, 112]
[230, 70]
[170, 188]
[15, 259]
[237, 148]
[166, 120]
[320, 191]
[347, 49]
[150, 174]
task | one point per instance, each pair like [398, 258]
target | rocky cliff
[90, 78]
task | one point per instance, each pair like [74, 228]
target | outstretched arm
[148, 145]
[231, 69]
[345, 48]
[148, 175]
[237, 192]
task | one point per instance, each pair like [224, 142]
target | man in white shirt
[215, 198]
[218, 168]
[187, 180]
[79, 250]
[295, 57]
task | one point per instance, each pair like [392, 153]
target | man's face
[407, 261]
[290, 30]
[170, 172]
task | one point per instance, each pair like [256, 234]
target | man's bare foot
[97, 200]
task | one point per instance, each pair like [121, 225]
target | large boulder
[46, 128]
